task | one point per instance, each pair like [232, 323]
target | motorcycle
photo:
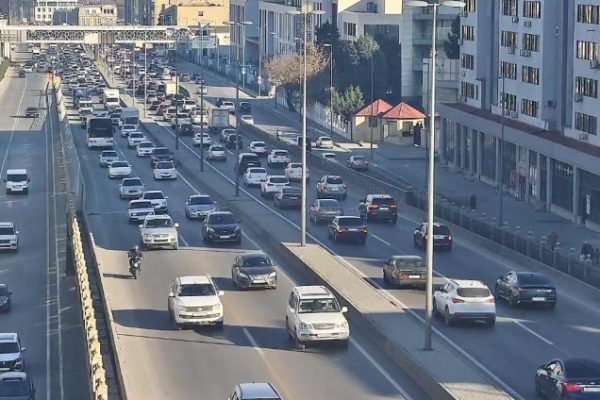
[135, 267]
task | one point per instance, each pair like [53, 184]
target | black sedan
[574, 378]
[254, 269]
[16, 385]
[32, 112]
[442, 238]
[288, 197]
[525, 287]
[347, 228]
[245, 107]
[221, 226]
[5, 298]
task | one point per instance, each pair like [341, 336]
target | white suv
[159, 231]
[9, 236]
[272, 184]
[465, 299]
[194, 300]
[313, 314]
[11, 353]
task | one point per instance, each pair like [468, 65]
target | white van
[17, 181]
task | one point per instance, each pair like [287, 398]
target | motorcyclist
[135, 255]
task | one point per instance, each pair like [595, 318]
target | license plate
[352, 230]
[538, 299]
[225, 236]
[259, 281]
[591, 389]
[414, 276]
[384, 209]
[293, 198]
[334, 189]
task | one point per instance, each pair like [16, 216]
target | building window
[529, 107]
[510, 101]
[510, 8]
[470, 5]
[586, 86]
[586, 123]
[587, 14]
[349, 29]
[508, 70]
[468, 32]
[531, 42]
[532, 9]
[562, 185]
[508, 39]
[467, 61]
[469, 90]
[530, 75]
[587, 50]
[488, 156]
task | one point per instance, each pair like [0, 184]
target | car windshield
[350, 222]
[257, 171]
[141, 204]
[384, 201]
[533, 279]
[164, 165]
[291, 190]
[7, 231]
[329, 204]
[318, 305]
[278, 179]
[221, 219]
[154, 195]
[325, 139]
[109, 154]
[9, 348]
[359, 158]
[259, 260]
[16, 177]
[128, 127]
[409, 263]
[159, 223]
[200, 200]
[31, 109]
[118, 164]
[217, 148]
[14, 388]
[579, 369]
[132, 182]
[136, 135]
[197, 289]
[473, 292]
[295, 165]
[280, 153]
[146, 144]
[335, 180]
[258, 144]
[3, 291]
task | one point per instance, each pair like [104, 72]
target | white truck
[219, 119]
[110, 98]
[170, 87]
[131, 116]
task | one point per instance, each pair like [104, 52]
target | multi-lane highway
[160, 362]
[45, 310]
[523, 338]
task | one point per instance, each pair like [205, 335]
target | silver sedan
[199, 206]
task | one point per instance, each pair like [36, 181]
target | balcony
[424, 39]
[426, 14]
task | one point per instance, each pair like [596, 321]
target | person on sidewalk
[552, 239]
[586, 251]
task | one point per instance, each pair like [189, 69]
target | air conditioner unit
[515, 19]
[578, 97]
[513, 114]
[527, 24]
[525, 53]
[595, 63]
[511, 50]
[463, 73]
[583, 136]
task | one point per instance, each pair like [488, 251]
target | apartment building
[97, 15]
[528, 107]
[43, 10]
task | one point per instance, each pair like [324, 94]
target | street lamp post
[431, 169]
[501, 157]
[202, 125]
[330, 45]
[372, 115]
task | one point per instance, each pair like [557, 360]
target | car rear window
[141, 204]
[335, 180]
[473, 292]
[410, 263]
[132, 182]
[201, 200]
[441, 230]
[350, 222]
[577, 369]
[381, 201]
[291, 190]
[533, 279]
[160, 151]
[278, 179]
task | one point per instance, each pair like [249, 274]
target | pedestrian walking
[586, 250]
[552, 239]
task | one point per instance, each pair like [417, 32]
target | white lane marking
[48, 359]
[381, 240]
[390, 297]
[12, 131]
[537, 335]
[56, 260]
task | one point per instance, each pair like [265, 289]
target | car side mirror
[17, 231]
[166, 197]
[171, 294]
[501, 278]
[140, 225]
[28, 180]
[23, 349]
[344, 309]
[176, 224]
[221, 293]
[292, 311]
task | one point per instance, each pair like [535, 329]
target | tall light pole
[330, 45]
[501, 156]
[431, 167]
[305, 15]
[372, 115]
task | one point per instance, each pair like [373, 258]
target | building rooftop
[404, 111]
[376, 108]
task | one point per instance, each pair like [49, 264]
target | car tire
[434, 310]
[344, 196]
[512, 302]
[175, 247]
[297, 343]
[449, 247]
[491, 322]
[26, 191]
[363, 241]
[447, 317]
[394, 220]
[219, 325]
[415, 244]
[344, 343]
[551, 306]
[496, 292]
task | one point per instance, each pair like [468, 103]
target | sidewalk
[410, 164]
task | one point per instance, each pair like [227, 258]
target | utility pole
[176, 109]
[202, 124]
[372, 117]
[237, 127]
[501, 158]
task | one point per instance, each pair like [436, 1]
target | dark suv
[186, 130]
[221, 226]
[246, 161]
[441, 236]
[160, 154]
[379, 207]
[245, 107]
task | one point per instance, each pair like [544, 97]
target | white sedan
[254, 176]
[258, 147]
[165, 170]
[119, 169]
[272, 185]
[247, 119]
[329, 156]
[202, 139]
[135, 138]
[278, 157]
[144, 149]
[216, 152]
[324, 142]
[293, 171]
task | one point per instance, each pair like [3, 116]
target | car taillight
[403, 277]
[490, 300]
[341, 229]
[449, 237]
[373, 206]
[457, 300]
[571, 387]
[393, 206]
[363, 229]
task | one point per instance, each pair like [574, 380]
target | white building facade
[44, 10]
[537, 60]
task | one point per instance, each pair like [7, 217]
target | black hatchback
[525, 287]
[32, 112]
[573, 378]
[221, 226]
[347, 228]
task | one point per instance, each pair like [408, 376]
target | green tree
[349, 102]
[451, 44]
[366, 46]
[327, 34]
